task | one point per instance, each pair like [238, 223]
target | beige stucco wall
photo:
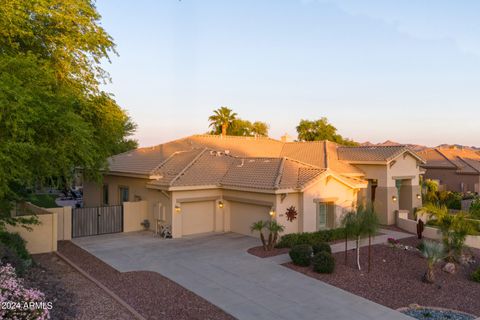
[43, 237]
[291, 199]
[404, 167]
[134, 213]
[64, 222]
[325, 190]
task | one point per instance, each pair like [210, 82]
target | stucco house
[206, 183]
[455, 169]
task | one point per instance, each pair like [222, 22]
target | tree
[274, 228]
[259, 226]
[321, 129]
[433, 252]
[53, 115]
[370, 222]
[245, 128]
[221, 119]
[430, 194]
[348, 222]
[354, 228]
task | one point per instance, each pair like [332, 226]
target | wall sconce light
[394, 199]
[220, 204]
[419, 196]
[178, 208]
[272, 212]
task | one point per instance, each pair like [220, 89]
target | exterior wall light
[178, 208]
[394, 199]
[220, 204]
[419, 196]
[272, 212]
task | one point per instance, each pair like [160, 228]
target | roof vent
[227, 151]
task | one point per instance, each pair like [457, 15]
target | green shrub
[311, 238]
[9, 256]
[475, 276]
[16, 243]
[323, 262]
[301, 255]
[321, 246]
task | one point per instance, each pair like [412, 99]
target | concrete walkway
[218, 268]
[340, 247]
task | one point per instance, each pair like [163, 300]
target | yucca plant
[259, 226]
[433, 252]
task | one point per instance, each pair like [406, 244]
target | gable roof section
[374, 153]
[465, 161]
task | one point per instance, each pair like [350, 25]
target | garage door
[242, 215]
[198, 217]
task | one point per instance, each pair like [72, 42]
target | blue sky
[406, 70]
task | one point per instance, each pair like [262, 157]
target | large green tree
[321, 129]
[53, 115]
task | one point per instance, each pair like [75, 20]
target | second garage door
[198, 217]
[242, 215]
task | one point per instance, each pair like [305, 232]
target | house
[207, 183]
[455, 169]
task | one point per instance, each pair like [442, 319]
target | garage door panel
[242, 215]
[198, 217]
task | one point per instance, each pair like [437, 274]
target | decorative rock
[466, 259]
[450, 268]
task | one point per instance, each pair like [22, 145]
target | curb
[135, 313]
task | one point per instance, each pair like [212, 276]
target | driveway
[218, 268]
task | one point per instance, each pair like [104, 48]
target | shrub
[15, 242]
[301, 255]
[475, 276]
[323, 262]
[8, 256]
[311, 238]
[12, 289]
[321, 246]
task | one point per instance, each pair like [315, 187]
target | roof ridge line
[279, 173]
[468, 164]
[325, 150]
[446, 158]
[167, 159]
[187, 167]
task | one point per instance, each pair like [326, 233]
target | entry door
[321, 216]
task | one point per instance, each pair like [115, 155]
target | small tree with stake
[369, 221]
[348, 223]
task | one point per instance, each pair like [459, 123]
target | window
[321, 216]
[105, 195]
[124, 194]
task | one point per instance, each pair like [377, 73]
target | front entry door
[321, 216]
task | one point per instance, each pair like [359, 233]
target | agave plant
[433, 252]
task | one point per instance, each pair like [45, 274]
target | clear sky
[405, 70]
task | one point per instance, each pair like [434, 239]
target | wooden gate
[96, 220]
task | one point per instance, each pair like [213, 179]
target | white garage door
[242, 215]
[198, 217]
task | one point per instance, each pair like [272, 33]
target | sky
[407, 71]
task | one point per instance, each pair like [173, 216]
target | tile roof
[463, 160]
[264, 163]
[372, 153]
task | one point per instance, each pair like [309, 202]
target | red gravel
[259, 252]
[395, 279]
[151, 294]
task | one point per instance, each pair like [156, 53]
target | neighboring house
[455, 169]
[208, 183]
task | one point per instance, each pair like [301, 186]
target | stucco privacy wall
[64, 222]
[43, 237]
[134, 213]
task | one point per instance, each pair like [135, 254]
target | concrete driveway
[218, 268]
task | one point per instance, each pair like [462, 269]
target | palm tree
[434, 252]
[259, 226]
[369, 220]
[275, 228]
[222, 118]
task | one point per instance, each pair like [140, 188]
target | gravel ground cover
[149, 293]
[73, 296]
[395, 279]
